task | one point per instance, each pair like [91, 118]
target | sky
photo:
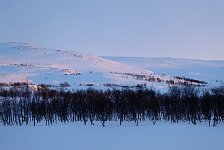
[141, 28]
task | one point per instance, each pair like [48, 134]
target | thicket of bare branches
[19, 104]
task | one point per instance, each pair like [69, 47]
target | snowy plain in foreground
[162, 136]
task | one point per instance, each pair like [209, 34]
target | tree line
[20, 104]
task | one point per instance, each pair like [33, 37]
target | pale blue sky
[149, 28]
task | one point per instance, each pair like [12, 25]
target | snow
[162, 136]
[210, 71]
[26, 62]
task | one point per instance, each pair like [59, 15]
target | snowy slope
[162, 136]
[210, 71]
[24, 62]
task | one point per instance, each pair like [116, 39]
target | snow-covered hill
[24, 62]
[210, 71]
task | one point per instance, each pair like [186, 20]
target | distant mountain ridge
[211, 71]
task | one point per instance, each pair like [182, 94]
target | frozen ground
[162, 136]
